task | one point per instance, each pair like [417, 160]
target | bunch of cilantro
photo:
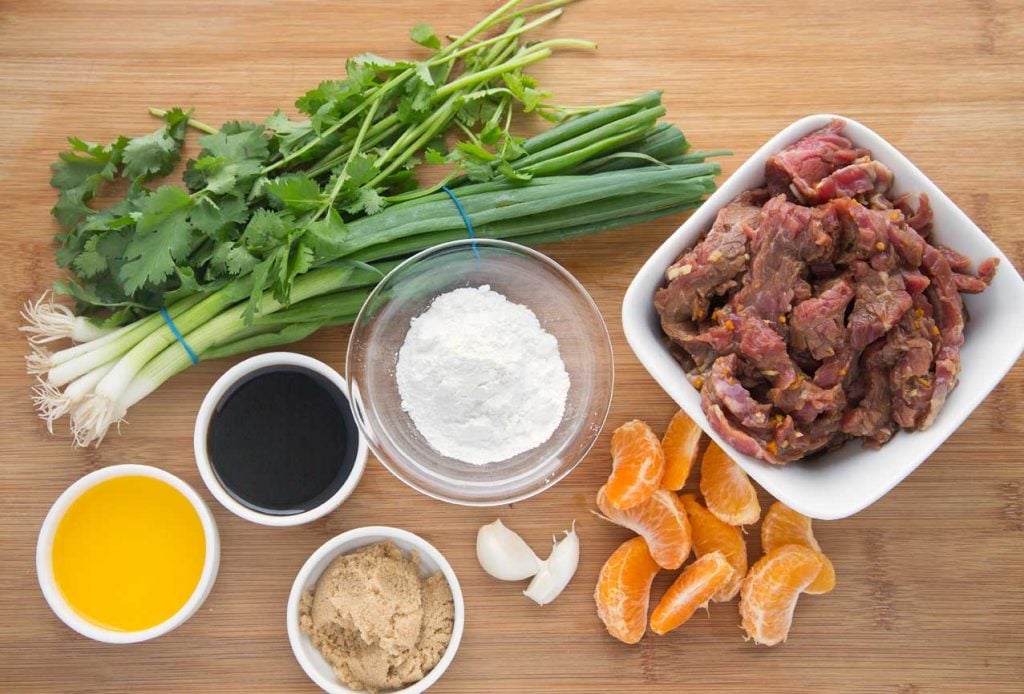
[273, 198]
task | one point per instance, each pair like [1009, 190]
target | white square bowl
[843, 482]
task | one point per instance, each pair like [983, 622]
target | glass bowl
[524, 276]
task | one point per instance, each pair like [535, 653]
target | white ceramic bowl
[44, 551]
[431, 561]
[843, 482]
[206, 411]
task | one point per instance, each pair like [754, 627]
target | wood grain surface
[929, 595]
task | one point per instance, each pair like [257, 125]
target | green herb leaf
[214, 217]
[232, 259]
[290, 135]
[368, 201]
[78, 175]
[90, 262]
[162, 237]
[265, 231]
[295, 192]
[433, 156]
[230, 160]
[424, 35]
[326, 236]
[156, 154]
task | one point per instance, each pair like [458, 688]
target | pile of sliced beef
[817, 309]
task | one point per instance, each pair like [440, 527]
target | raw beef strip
[789, 237]
[809, 160]
[707, 269]
[817, 325]
[917, 210]
[949, 317]
[868, 178]
[881, 301]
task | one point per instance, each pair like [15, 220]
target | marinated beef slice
[816, 310]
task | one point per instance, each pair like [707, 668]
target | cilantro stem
[539, 7]
[197, 124]
[426, 130]
[510, 33]
[525, 58]
[483, 25]
[376, 95]
[356, 147]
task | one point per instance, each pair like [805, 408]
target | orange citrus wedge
[624, 590]
[712, 535]
[638, 464]
[661, 521]
[692, 590]
[770, 591]
[680, 445]
[727, 490]
[784, 526]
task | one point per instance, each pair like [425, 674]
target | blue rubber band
[465, 218]
[177, 334]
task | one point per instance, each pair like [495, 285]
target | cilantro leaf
[378, 64]
[424, 35]
[290, 135]
[433, 156]
[78, 175]
[90, 262]
[368, 200]
[295, 192]
[265, 232]
[230, 160]
[162, 237]
[424, 74]
[300, 260]
[156, 154]
[326, 236]
[213, 217]
[232, 259]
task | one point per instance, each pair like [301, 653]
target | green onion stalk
[596, 169]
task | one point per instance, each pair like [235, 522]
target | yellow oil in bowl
[128, 553]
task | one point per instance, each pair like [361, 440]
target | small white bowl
[431, 561]
[844, 481]
[209, 405]
[44, 552]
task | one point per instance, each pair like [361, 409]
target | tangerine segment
[784, 526]
[624, 590]
[727, 490]
[771, 589]
[661, 520]
[638, 464]
[680, 445]
[712, 535]
[694, 587]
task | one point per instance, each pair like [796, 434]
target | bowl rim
[647, 346]
[213, 396]
[44, 551]
[474, 243]
[342, 544]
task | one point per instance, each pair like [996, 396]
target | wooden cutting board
[929, 595]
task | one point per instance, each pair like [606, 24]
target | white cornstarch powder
[480, 378]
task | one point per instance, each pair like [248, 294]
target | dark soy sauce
[283, 440]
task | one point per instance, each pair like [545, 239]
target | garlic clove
[556, 572]
[504, 554]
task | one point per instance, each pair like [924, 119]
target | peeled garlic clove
[505, 555]
[556, 572]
